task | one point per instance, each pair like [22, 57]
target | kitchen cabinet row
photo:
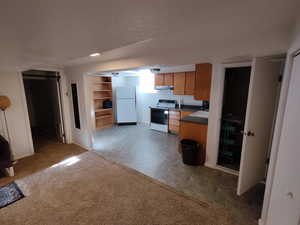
[196, 83]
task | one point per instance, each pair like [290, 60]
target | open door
[258, 123]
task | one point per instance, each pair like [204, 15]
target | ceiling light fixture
[94, 54]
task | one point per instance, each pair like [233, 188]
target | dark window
[75, 105]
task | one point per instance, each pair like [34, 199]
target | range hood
[166, 87]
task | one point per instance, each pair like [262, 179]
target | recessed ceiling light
[94, 54]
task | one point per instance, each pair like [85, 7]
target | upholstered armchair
[6, 161]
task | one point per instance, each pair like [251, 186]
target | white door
[126, 111]
[258, 123]
[285, 195]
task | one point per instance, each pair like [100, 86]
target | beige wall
[80, 136]
[17, 117]
[11, 85]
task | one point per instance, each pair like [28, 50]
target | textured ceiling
[64, 32]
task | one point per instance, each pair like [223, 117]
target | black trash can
[190, 152]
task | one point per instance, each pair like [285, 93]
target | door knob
[248, 133]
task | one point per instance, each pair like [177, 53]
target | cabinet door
[179, 83]
[159, 79]
[174, 128]
[174, 114]
[169, 79]
[203, 81]
[174, 123]
[189, 83]
[197, 132]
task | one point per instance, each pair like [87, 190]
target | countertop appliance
[126, 105]
[160, 115]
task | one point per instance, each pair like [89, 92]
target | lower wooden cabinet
[174, 119]
[197, 132]
[174, 114]
[174, 123]
[174, 128]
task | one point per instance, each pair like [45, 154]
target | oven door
[159, 116]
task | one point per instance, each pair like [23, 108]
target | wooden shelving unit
[102, 91]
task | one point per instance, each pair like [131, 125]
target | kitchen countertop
[188, 108]
[195, 119]
[190, 118]
[193, 108]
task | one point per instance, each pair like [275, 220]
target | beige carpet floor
[87, 189]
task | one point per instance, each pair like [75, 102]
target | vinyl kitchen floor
[155, 154]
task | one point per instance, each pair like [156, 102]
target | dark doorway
[235, 100]
[43, 103]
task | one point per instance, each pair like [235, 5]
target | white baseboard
[260, 222]
[223, 169]
[16, 157]
[80, 145]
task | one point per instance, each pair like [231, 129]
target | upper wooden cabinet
[189, 83]
[169, 79]
[164, 79]
[159, 79]
[203, 81]
[179, 83]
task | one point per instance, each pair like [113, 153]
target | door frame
[64, 101]
[218, 111]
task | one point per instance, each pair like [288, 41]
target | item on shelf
[107, 104]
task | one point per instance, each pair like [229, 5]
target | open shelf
[108, 82]
[105, 121]
[103, 127]
[102, 97]
[103, 117]
[103, 110]
[102, 90]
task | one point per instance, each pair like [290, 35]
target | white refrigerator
[126, 105]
